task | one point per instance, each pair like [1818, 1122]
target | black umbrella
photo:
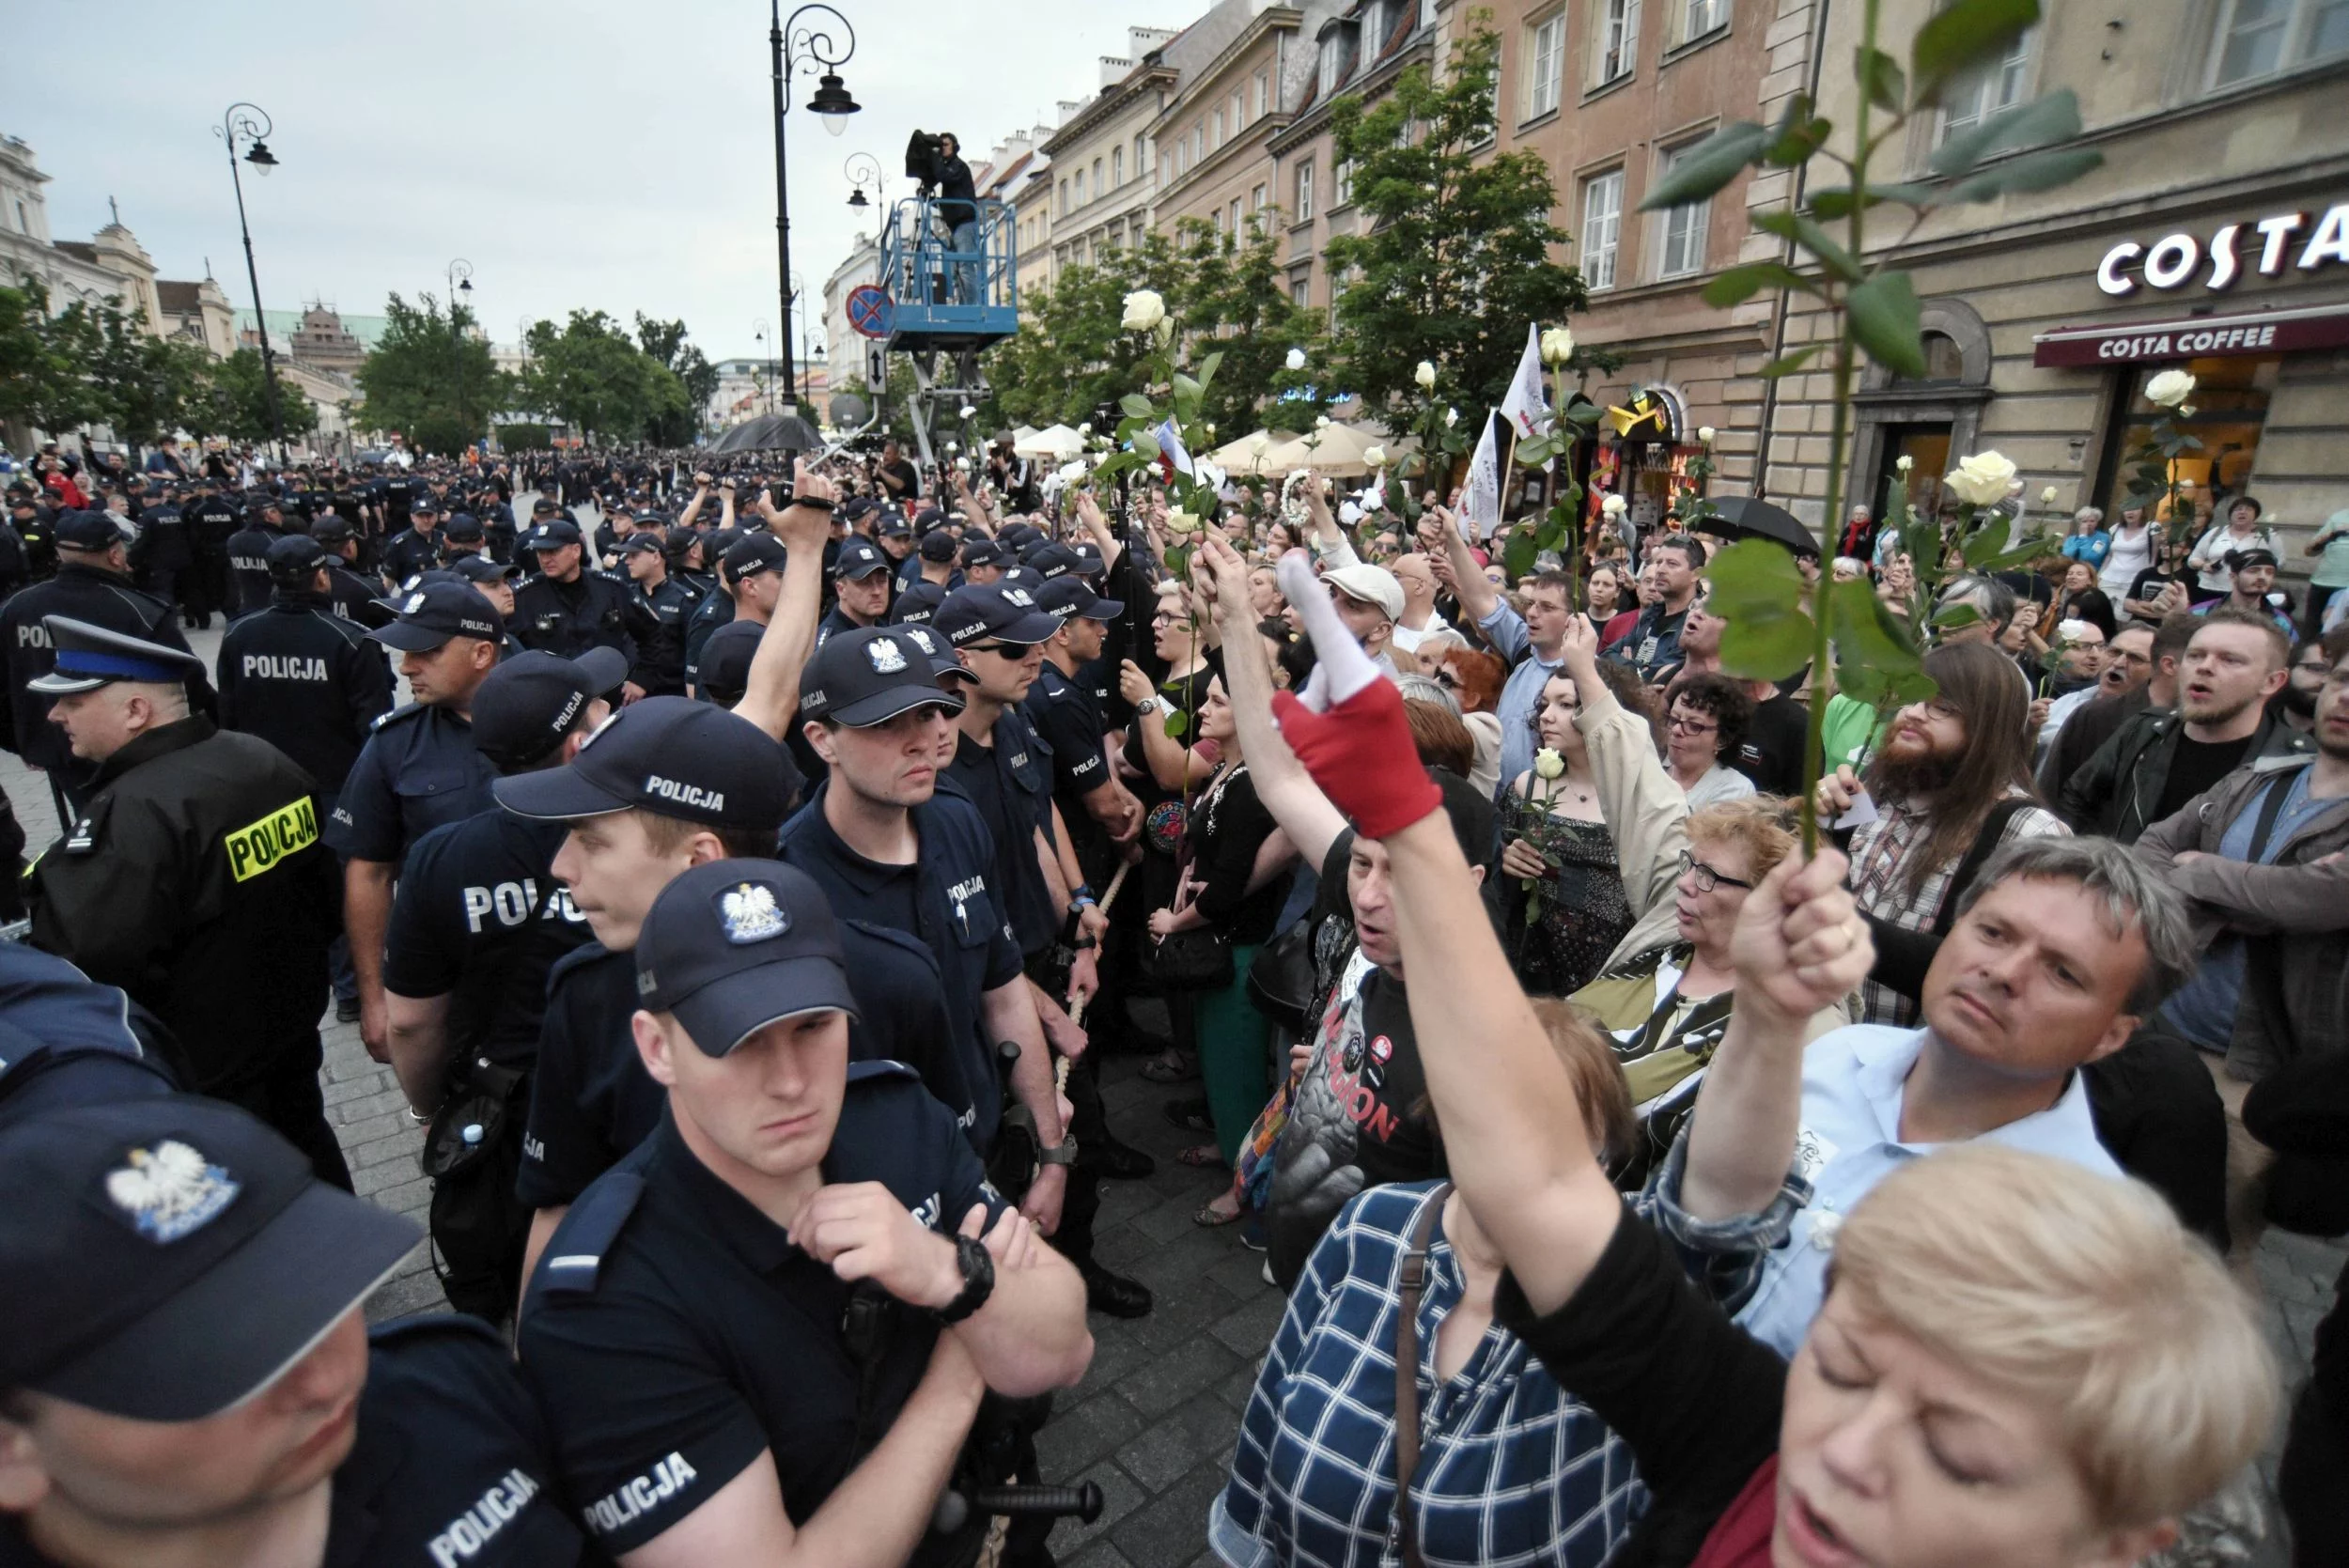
[1750, 517]
[769, 433]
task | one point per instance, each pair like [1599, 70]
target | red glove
[1361, 754]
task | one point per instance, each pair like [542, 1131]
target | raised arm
[1439, 530]
[1646, 812]
[1089, 514]
[772, 697]
[1305, 814]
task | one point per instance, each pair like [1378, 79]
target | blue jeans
[967, 284]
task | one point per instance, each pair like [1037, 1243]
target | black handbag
[1196, 960]
[1282, 982]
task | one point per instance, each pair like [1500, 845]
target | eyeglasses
[1691, 727]
[1708, 878]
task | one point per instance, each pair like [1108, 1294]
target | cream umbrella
[1242, 456]
[1054, 440]
[1335, 450]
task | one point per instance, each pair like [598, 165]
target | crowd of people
[769, 853]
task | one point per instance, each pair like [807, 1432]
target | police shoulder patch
[575, 1256]
[84, 836]
[405, 710]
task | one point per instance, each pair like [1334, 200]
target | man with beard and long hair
[1950, 783]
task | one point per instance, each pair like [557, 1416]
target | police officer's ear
[23, 1479]
[482, 654]
[652, 1045]
[819, 740]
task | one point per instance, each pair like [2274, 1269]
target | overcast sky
[612, 154]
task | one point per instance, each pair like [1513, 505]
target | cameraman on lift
[957, 207]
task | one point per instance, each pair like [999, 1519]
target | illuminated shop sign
[2288, 241]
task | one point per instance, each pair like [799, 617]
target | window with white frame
[1080, 187]
[1700, 17]
[1984, 89]
[1240, 111]
[1235, 210]
[1198, 143]
[2258, 38]
[1332, 61]
[1217, 140]
[1545, 65]
[1305, 191]
[1301, 293]
[1098, 189]
[1264, 93]
[1602, 227]
[1342, 182]
[1117, 165]
[1681, 247]
[1063, 199]
[1373, 28]
[1256, 199]
[1618, 49]
[1142, 162]
[1214, 220]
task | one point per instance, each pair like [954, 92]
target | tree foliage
[665, 342]
[432, 378]
[1452, 258]
[237, 402]
[590, 374]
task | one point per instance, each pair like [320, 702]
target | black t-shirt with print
[2194, 766]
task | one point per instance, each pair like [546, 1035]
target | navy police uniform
[307, 681]
[411, 552]
[568, 618]
[660, 617]
[67, 1040]
[83, 592]
[418, 771]
[674, 1334]
[1011, 783]
[248, 561]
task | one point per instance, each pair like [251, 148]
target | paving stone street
[1154, 1420]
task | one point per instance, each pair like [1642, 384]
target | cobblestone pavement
[1154, 1420]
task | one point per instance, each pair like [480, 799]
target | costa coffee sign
[2294, 240]
[2266, 332]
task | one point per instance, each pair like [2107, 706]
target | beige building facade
[1101, 174]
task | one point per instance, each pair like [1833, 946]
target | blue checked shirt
[1513, 1469]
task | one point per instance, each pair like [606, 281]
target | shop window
[2258, 38]
[2229, 404]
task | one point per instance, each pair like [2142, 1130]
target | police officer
[461, 535]
[418, 770]
[495, 581]
[887, 845]
[195, 880]
[418, 549]
[355, 598]
[861, 588]
[92, 584]
[192, 1379]
[248, 551]
[983, 560]
[751, 581]
[660, 610]
[212, 517]
[478, 921]
[165, 562]
[67, 1040]
[565, 611]
[713, 1374]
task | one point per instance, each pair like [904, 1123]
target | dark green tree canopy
[432, 378]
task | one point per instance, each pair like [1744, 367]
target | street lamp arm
[252, 121]
[812, 48]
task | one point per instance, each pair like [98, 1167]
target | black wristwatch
[978, 1279]
[1065, 1153]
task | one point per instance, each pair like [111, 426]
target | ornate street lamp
[252, 123]
[803, 50]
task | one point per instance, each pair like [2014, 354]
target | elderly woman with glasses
[1708, 716]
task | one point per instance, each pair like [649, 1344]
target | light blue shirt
[1854, 1082]
[1521, 696]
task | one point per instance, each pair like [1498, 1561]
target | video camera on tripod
[925, 159]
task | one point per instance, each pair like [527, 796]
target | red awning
[2258, 331]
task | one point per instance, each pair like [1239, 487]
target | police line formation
[735, 901]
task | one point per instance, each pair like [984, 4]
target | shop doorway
[1927, 448]
[2230, 403]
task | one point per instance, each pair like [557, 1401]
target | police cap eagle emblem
[749, 913]
[169, 1190]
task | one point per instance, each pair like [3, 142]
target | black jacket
[307, 681]
[2116, 792]
[566, 619]
[84, 593]
[198, 882]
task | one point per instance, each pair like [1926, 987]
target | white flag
[1171, 443]
[1481, 504]
[1523, 403]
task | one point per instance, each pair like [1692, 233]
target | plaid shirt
[1880, 856]
[1513, 1469]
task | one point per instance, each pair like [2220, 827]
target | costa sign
[2276, 332]
[2266, 247]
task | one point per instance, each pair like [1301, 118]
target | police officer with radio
[769, 1329]
[191, 1378]
[565, 611]
[92, 584]
[198, 850]
[478, 921]
[418, 770]
[658, 609]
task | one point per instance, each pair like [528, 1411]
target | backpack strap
[1410, 1281]
[1985, 845]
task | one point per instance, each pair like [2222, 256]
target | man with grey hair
[2060, 948]
[1992, 601]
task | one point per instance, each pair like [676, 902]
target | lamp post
[803, 50]
[459, 282]
[862, 169]
[253, 125]
[765, 353]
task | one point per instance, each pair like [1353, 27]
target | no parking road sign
[871, 312]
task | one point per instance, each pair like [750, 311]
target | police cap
[732, 946]
[754, 553]
[432, 613]
[669, 756]
[918, 605]
[945, 662]
[90, 530]
[480, 568]
[870, 676]
[175, 1256]
[424, 504]
[1089, 561]
[546, 506]
[529, 703]
[894, 526]
[1049, 560]
[554, 535]
[641, 543]
[939, 545]
[650, 519]
[1007, 613]
[980, 550]
[89, 656]
[462, 528]
[1072, 598]
[1019, 535]
[294, 559]
[859, 558]
[331, 529]
[725, 671]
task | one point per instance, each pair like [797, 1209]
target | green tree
[431, 378]
[145, 387]
[1453, 258]
[44, 358]
[664, 343]
[590, 374]
[235, 403]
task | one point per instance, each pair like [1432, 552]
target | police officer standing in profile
[861, 587]
[766, 1334]
[660, 607]
[248, 553]
[353, 597]
[418, 549]
[195, 880]
[418, 770]
[478, 921]
[212, 517]
[92, 584]
[565, 611]
[190, 1378]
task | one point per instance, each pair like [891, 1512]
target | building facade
[1102, 169]
[2214, 239]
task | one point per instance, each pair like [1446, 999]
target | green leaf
[1835, 201]
[1178, 725]
[1187, 388]
[1794, 225]
[1769, 648]
[1872, 648]
[2032, 171]
[1798, 134]
[2042, 122]
[1961, 33]
[1786, 365]
[1884, 322]
[1985, 544]
[1138, 407]
[1951, 617]
[1207, 368]
[1709, 166]
[1518, 554]
[1880, 76]
[1754, 580]
[1740, 284]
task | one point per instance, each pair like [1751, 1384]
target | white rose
[1071, 473]
[2169, 389]
[1547, 764]
[1181, 522]
[1321, 422]
[1451, 417]
[2047, 496]
[1557, 347]
[968, 412]
[1614, 506]
[1704, 434]
[1210, 426]
[1085, 430]
[1983, 480]
[1904, 463]
[1376, 457]
[1259, 444]
[1426, 376]
[1144, 310]
[1297, 359]
[954, 447]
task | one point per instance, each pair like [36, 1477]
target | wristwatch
[1064, 1154]
[978, 1279]
[1147, 705]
